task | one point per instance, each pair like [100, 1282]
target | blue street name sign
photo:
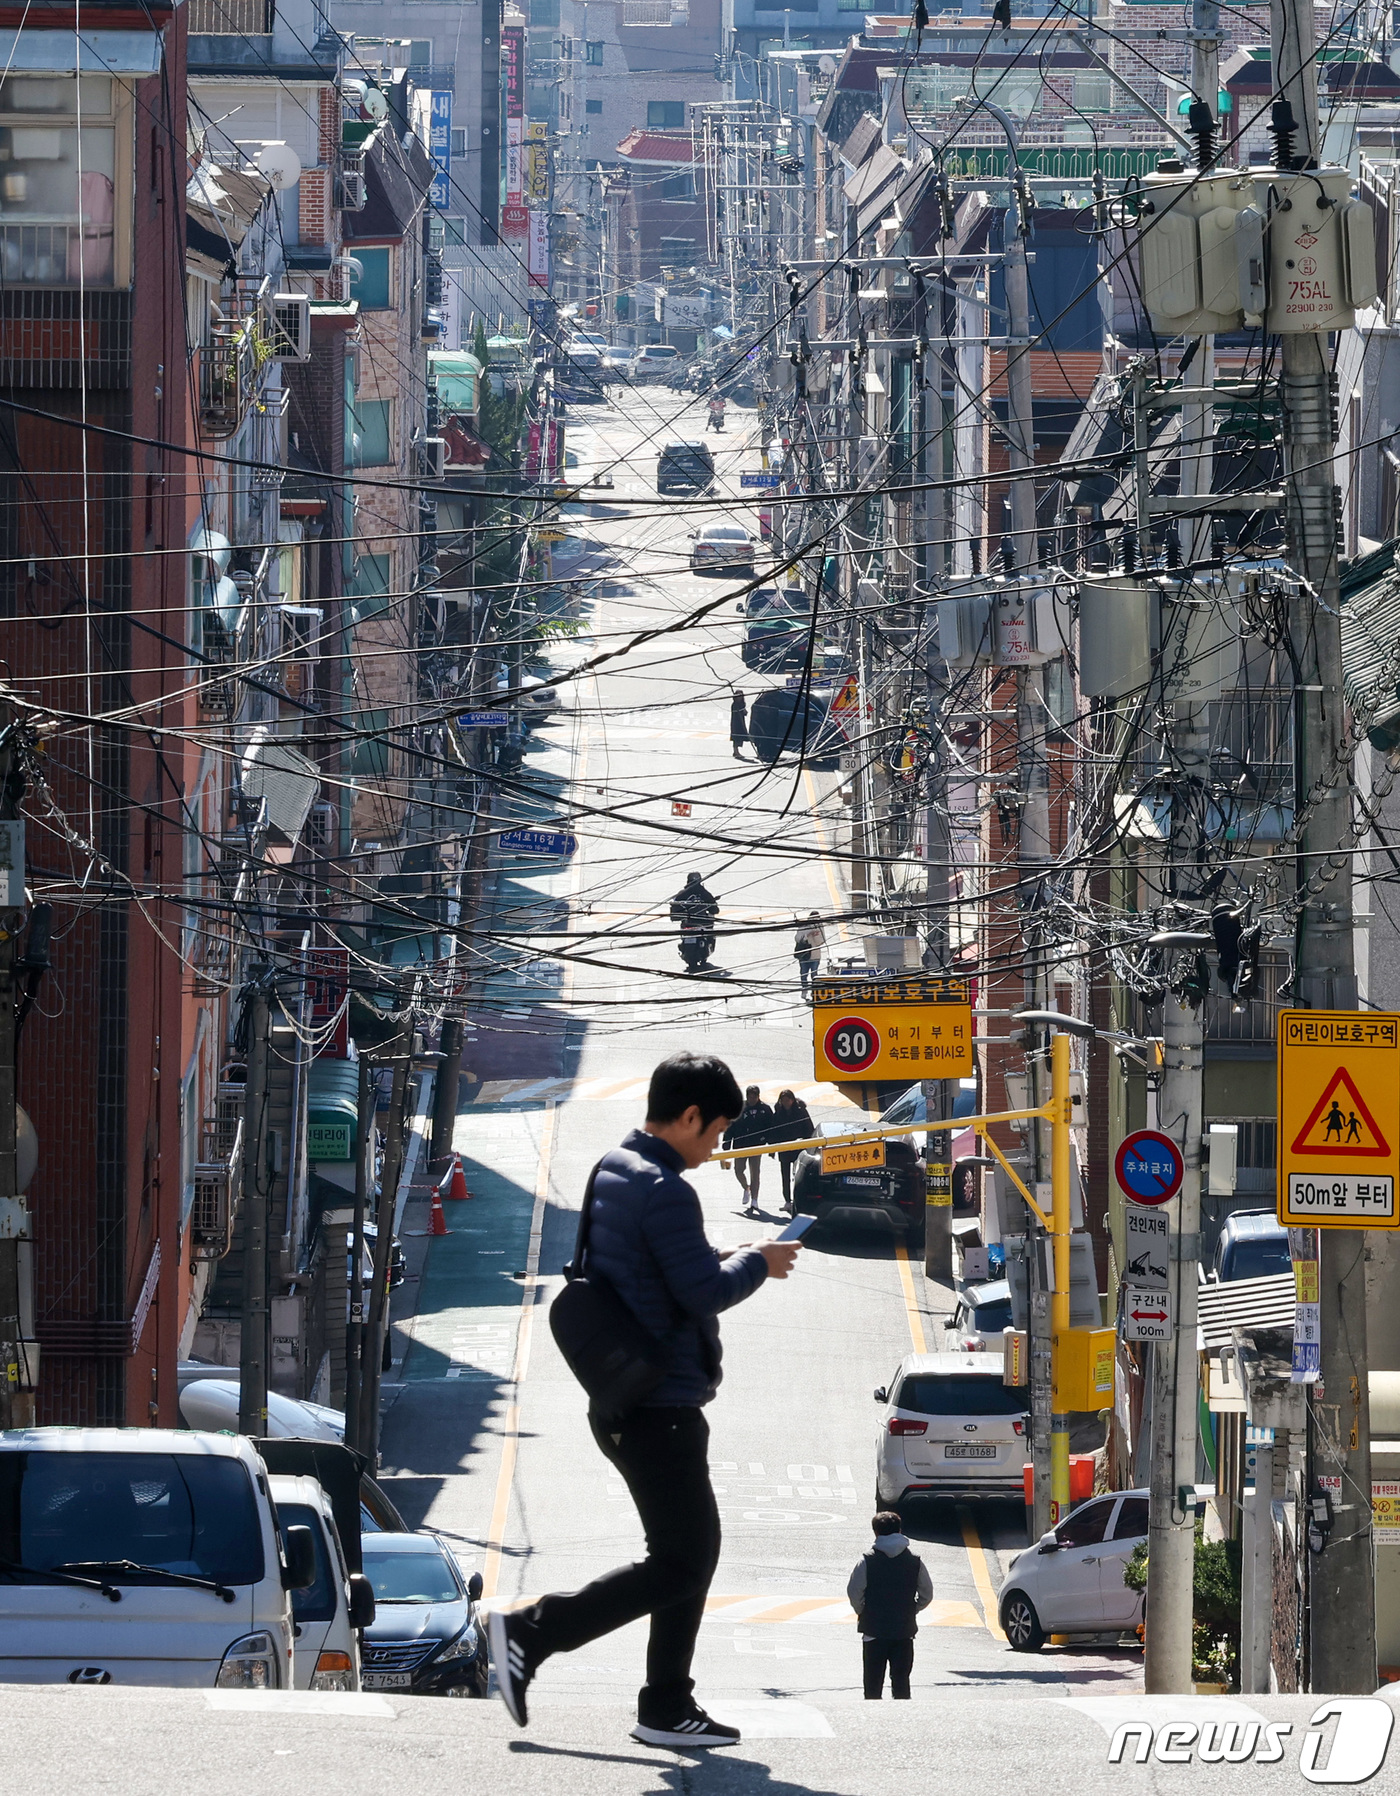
[764, 482]
[539, 841]
[484, 720]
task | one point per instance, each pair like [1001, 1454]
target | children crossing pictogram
[1340, 1126]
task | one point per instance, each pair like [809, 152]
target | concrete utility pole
[255, 1341]
[445, 1088]
[355, 1323]
[377, 1330]
[11, 921]
[1033, 793]
[1342, 1614]
[1175, 1427]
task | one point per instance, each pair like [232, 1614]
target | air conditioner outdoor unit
[289, 327]
[353, 192]
[211, 1218]
[432, 452]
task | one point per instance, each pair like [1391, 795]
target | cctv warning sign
[1338, 1119]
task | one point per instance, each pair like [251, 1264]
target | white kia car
[1071, 1580]
[950, 1428]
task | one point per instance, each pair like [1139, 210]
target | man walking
[808, 947]
[738, 724]
[646, 1239]
[752, 1127]
[887, 1589]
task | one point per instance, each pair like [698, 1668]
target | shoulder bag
[606, 1348]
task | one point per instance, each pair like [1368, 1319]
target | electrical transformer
[1289, 249]
[1005, 623]
[1115, 635]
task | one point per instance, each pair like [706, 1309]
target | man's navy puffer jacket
[647, 1239]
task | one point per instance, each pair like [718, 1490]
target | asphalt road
[485, 1438]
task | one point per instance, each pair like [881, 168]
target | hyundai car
[427, 1637]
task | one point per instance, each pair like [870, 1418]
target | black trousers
[663, 1458]
[899, 1656]
[785, 1164]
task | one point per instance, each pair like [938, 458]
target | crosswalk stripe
[815, 1611]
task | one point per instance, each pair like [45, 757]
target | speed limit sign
[852, 1044]
[909, 1026]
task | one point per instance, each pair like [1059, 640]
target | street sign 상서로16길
[1338, 1118]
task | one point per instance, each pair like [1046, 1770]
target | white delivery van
[144, 1556]
[328, 1614]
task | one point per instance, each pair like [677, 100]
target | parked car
[775, 643]
[538, 704]
[587, 340]
[897, 1190]
[982, 1312]
[212, 1403]
[950, 1427]
[793, 722]
[148, 1556]
[721, 547]
[654, 361]
[1071, 1580]
[427, 1637]
[685, 467]
[617, 363]
[327, 1613]
[762, 601]
[1252, 1244]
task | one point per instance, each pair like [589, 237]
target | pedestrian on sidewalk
[792, 1121]
[808, 946]
[750, 1128]
[887, 1589]
[646, 1238]
[738, 724]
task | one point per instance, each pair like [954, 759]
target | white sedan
[1071, 1580]
[721, 546]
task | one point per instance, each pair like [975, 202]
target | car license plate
[385, 1680]
[869, 1184]
[962, 1450]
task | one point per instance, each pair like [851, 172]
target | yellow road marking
[977, 1558]
[510, 1445]
[911, 1302]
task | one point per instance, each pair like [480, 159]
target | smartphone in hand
[796, 1229]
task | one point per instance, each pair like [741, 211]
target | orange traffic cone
[457, 1185]
[437, 1221]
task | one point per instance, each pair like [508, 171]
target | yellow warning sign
[1338, 1118]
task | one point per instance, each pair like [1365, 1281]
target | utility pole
[1342, 1616]
[255, 1337]
[1049, 1500]
[373, 1366]
[1175, 1427]
[13, 1404]
[355, 1324]
[445, 1088]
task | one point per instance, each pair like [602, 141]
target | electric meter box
[1115, 635]
[1187, 245]
[1321, 249]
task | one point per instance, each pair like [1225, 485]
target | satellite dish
[280, 164]
[374, 105]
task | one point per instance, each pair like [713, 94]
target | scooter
[695, 949]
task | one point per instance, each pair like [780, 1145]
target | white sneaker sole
[666, 1736]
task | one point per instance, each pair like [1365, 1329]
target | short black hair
[700, 1079]
[885, 1521]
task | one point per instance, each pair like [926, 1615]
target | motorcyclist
[695, 909]
[716, 421]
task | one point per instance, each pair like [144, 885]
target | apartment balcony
[229, 366]
[230, 18]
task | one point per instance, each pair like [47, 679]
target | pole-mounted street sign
[1149, 1167]
[1146, 1247]
[1147, 1315]
[916, 1027]
[1338, 1118]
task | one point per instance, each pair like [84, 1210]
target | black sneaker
[692, 1727]
[506, 1636]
